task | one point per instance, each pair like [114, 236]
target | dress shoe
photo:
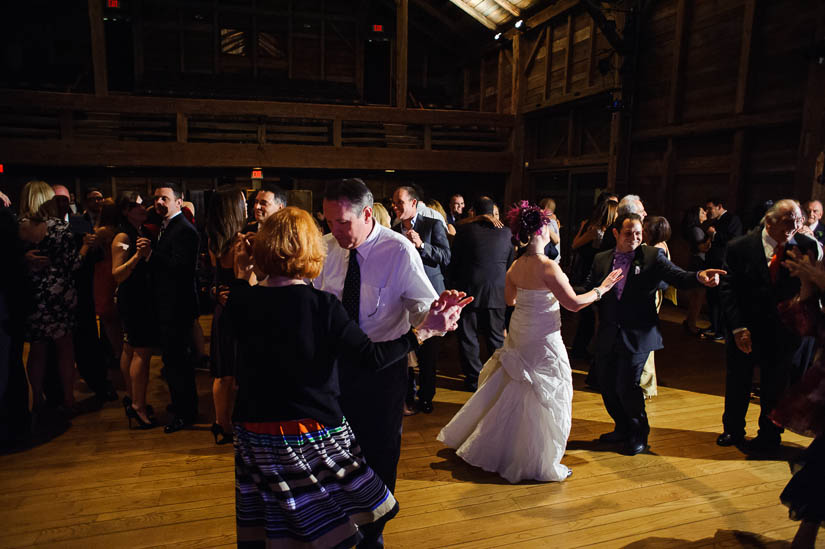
[410, 409]
[471, 386]
[634, 447]
[613, 436]
[727, 439]
[426, 406]
[176, 425]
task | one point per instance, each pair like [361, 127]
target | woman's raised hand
[611, 280]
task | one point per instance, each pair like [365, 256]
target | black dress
[223, 347]
[134, 298]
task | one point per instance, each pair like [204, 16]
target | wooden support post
[591, 56]
[674, 104]
[428, 137]
[337, 132]
[360, 23]
[548, 60]
[738, 149]
[401, 37]
[812, 138]
[98, 35]
[500, 82]
[262, 132]
[568, 55]
[182, 127]
[518, 76]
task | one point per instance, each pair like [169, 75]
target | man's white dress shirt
[395, 290]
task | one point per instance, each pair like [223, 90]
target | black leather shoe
[175, 425]
[471, 386]
[634, 447]
[426, 406]
[613, 436]
[727, 439]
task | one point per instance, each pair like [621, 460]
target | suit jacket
[749, 298]
[481, 255]
[173, 262]
[435, 250]
[633, 318]
[728, 227]
[819, 232]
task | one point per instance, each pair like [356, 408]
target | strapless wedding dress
[517, 423]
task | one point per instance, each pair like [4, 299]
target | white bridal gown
[517, 423]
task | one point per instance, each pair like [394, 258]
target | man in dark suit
[481, 255]
[267, 201]
[724, 227]
[456, 210]
[755, 285]
[812, 210]
[93, 203]
[173, 261]
[629, 325]
[430, 239]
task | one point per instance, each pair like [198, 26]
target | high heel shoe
[127, 403]
[217, 431]
[142, 424]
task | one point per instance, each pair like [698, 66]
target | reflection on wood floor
[100, 485]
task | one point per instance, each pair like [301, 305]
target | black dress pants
[473, 323]
[619, 373]
[373, 405]
[427, 367]
[774, 358]
[178, 369]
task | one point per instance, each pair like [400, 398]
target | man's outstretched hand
[710, 277]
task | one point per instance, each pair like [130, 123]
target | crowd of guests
[280, 286]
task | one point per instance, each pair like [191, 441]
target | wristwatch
[598, 293]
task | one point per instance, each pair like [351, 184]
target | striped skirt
[301, 485]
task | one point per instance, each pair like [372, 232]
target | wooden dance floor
[99, 484]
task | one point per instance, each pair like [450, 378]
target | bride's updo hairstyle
[526, 220]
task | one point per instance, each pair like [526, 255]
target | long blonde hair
[382, 216]
[36, 201]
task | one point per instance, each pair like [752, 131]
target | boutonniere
[818, 234]
[637, 265]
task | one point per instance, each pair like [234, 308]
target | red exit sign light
[378, 28]
[257, 174]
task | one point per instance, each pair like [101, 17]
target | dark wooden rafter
[475, 14]
[98, 43]
[545, 15]
[518, 76]
[591, 56]
[721, 125]
[500, 81]
[548, 61]
[439, 16]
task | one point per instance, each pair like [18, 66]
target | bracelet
[598, 293]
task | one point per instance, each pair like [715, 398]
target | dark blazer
[748, 297]
[728, 227]
[173, 262]
[435, 250]
[819, 232]
[481, 255]
[634, 317]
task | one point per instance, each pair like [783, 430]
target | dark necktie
[351, 296]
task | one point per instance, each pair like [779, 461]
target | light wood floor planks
[100, 485]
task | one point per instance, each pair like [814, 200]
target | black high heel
[217, 431]
[127, 403]
[131, 414]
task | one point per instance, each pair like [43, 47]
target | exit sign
[257, 174]
[112, 3]
[378, 28]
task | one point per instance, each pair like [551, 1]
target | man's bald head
[61, 199]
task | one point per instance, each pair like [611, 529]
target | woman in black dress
[131, 249]
[300, 477]
[225, 220]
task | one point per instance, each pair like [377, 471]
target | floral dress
[54, 292]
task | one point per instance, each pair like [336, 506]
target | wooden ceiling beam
[438, 15]
[138, 154]
[474, 13]
[508, 7]
[545, 15]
